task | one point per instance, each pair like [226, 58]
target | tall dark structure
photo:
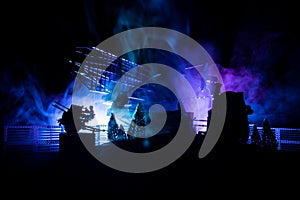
[236, 127]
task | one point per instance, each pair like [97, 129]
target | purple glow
[261, 56]
[266, 71]
[242, 79]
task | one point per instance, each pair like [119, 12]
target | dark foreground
[242, 171]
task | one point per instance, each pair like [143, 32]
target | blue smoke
[25, 101]
[158, 13]
[265, 67]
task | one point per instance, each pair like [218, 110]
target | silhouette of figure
[87, 114]
[113, 128]
[92, 113]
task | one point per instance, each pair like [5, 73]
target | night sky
[256, 46]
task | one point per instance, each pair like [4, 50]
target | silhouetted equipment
[236, 127]
[60, 106]
[75, 118]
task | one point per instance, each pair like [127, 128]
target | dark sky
[38, 38]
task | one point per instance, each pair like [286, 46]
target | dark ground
[242, 171]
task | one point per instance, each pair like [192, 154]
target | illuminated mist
[262, 63]
[266, 72]
[26, 103]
